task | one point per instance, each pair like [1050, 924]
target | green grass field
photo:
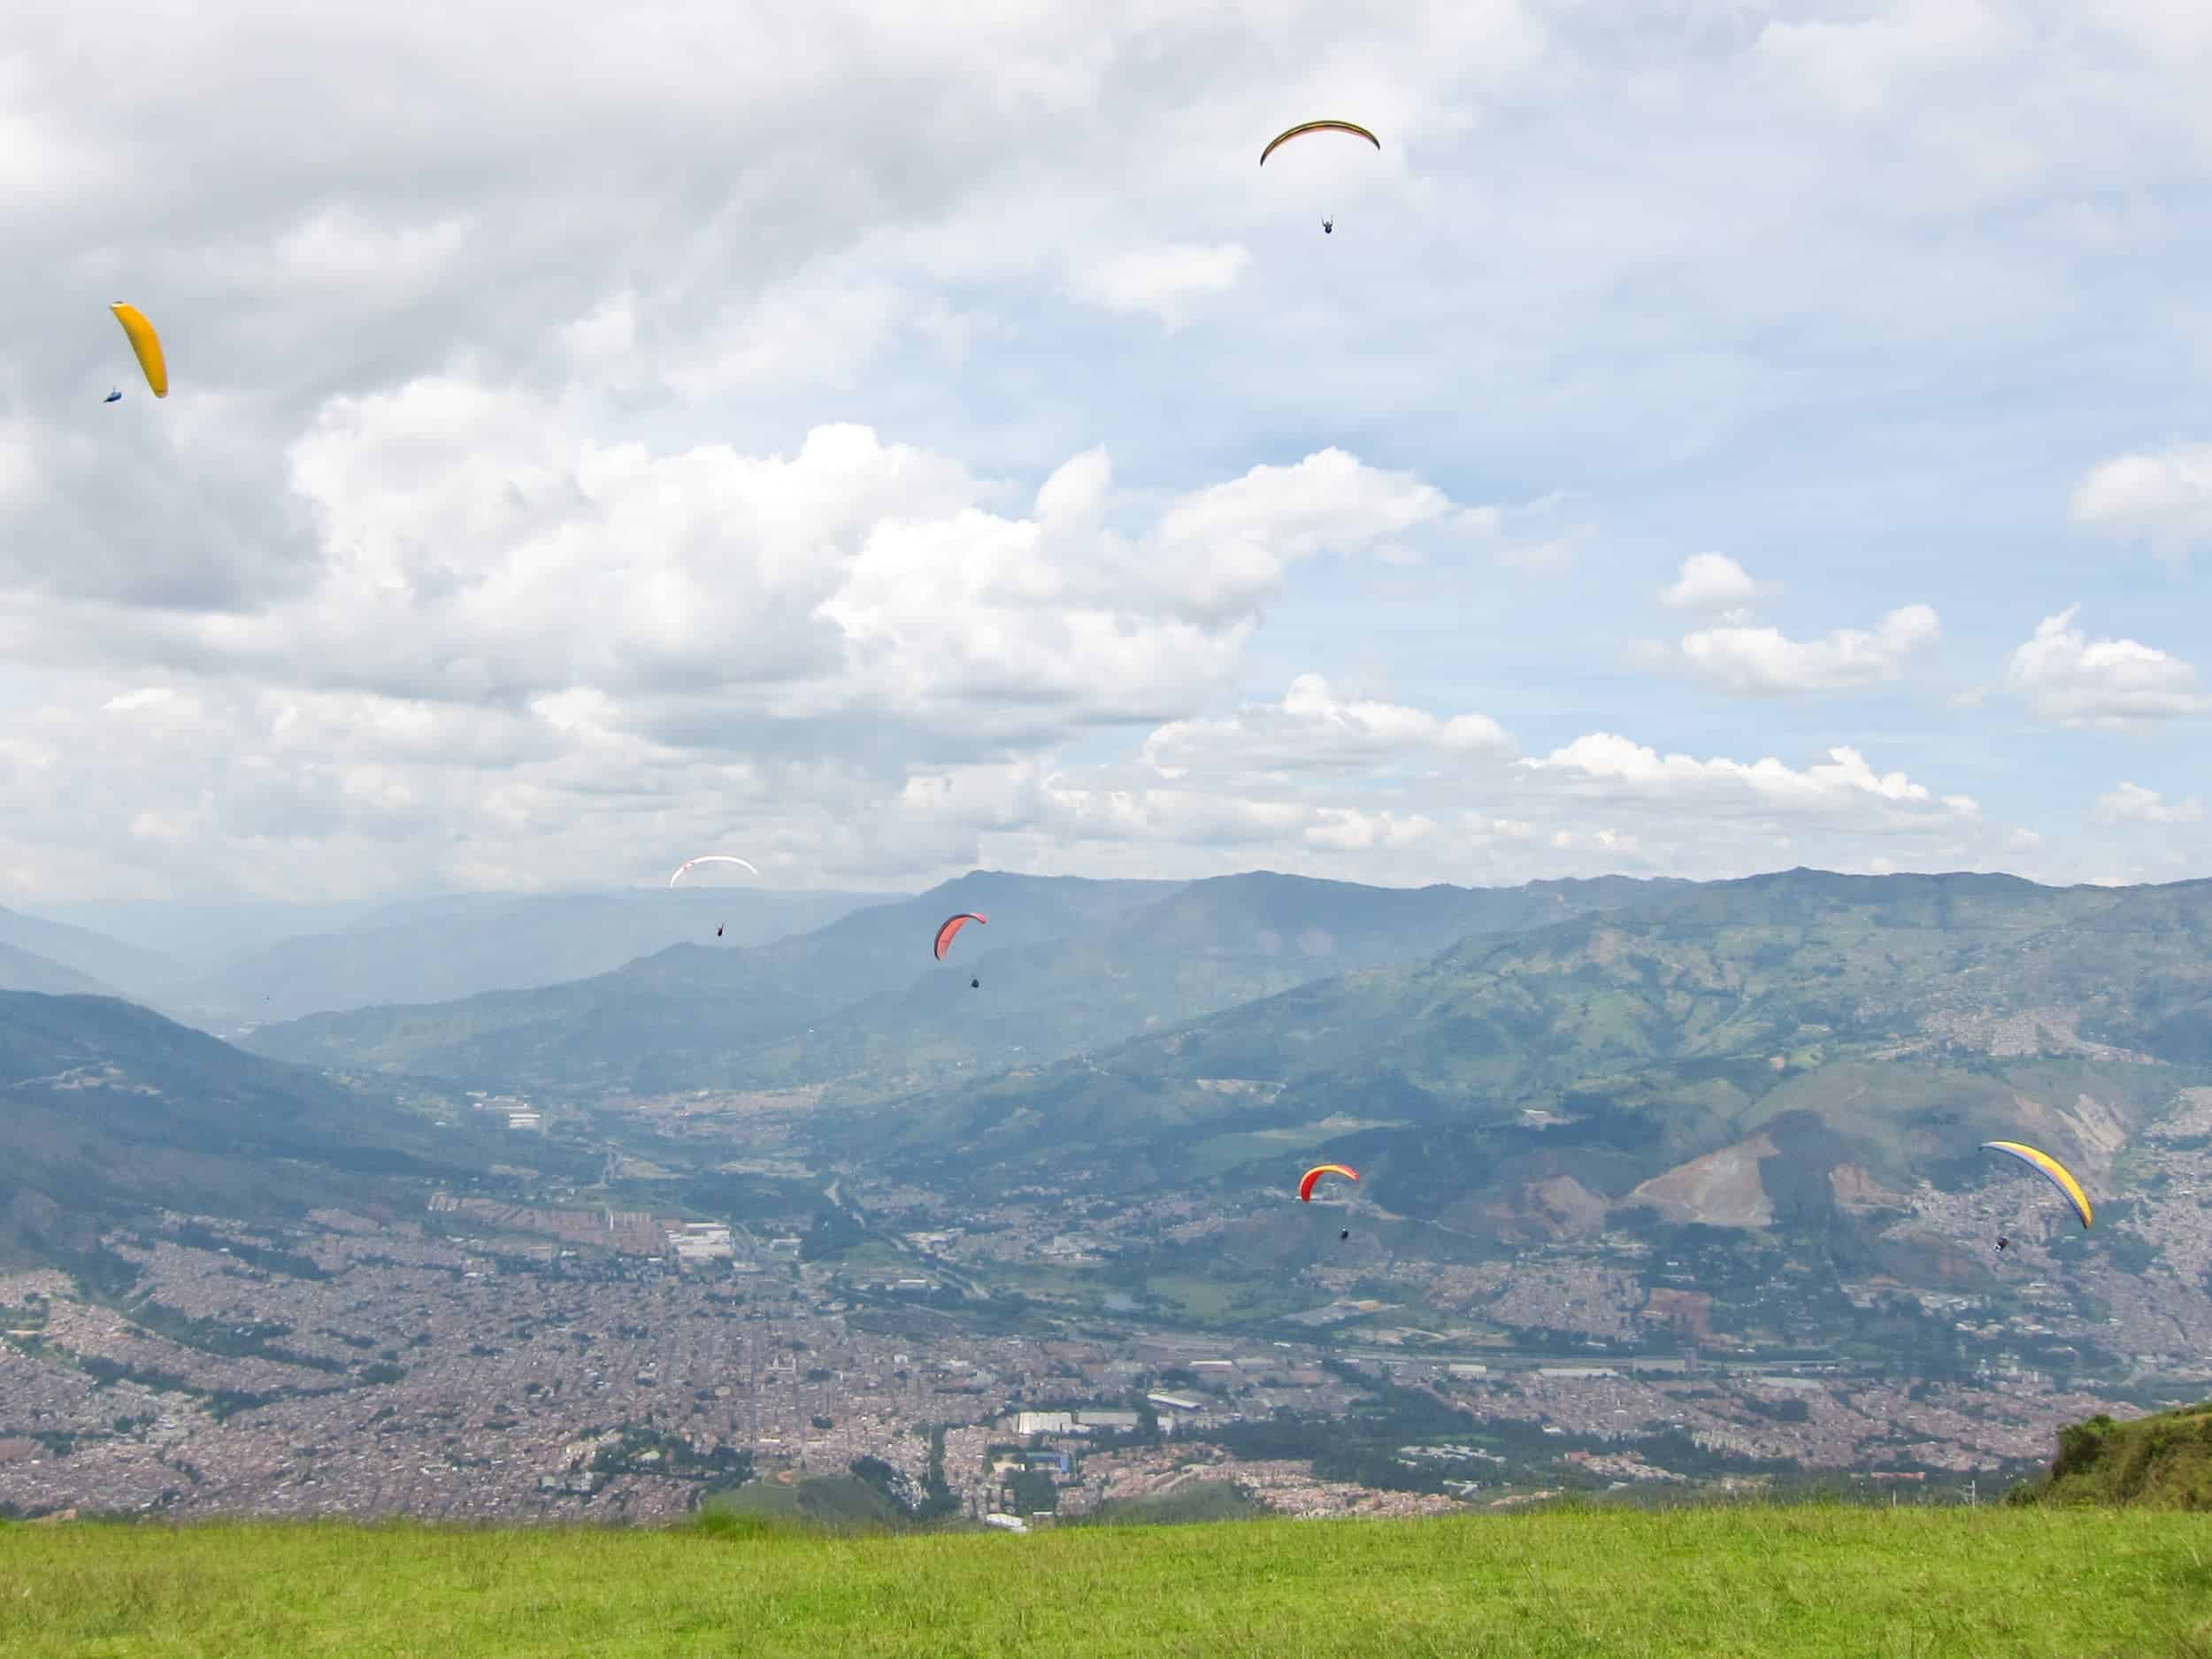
[1727, 1583]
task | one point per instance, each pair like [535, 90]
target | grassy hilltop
[2163, 1461]
[1823, 1582]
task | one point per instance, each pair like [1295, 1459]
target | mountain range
[861, 1008]
[1761, 1089]
[1795, 1068]
[1700, 1012]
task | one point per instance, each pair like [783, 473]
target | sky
[1719, 435]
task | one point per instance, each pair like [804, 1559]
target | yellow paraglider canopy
[146, 343]
[1284, 137]
[2051, 1169]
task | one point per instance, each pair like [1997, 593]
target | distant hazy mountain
[105, 962]
[1064, 963]
[27, 970]
[441, 949]
[197, 936]
[106, 1108]
[690, 1016]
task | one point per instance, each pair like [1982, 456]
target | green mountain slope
[106, 1108]
[1212, 946]
[1880, 1023]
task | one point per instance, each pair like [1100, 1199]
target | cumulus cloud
[2163, 499]
[2131, 803]
[2064, 677]
[480, 549]
[1763, 660]
[1220, 550]
[1711, 581]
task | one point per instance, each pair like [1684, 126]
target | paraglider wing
[115, 397]
[1281, 139]
[1305, 1186]
[708, 859]
[2052, 1170]
[953, 924]
[146, 343]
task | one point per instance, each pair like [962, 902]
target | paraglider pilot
[1328, 227]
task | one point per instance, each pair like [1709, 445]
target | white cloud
[1603, 763]
[1314, 729]
[1711, 581]
[1600, 803]
[2164, 499]
[1217, 552]
[1163, 280]
[2131, 803]
[129, 786]
[1763, 660]
[1348, 830]
[480, 548]
[2063, 677]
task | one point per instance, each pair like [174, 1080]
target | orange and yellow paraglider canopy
[1305, 1186]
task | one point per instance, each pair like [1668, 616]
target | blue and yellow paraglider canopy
[2050, 1169]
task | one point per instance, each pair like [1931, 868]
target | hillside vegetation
[107, 1109]
[1883, 1021]
[2161, 1462]
[1732, 1583]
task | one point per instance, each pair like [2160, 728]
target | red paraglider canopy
[953, 924]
